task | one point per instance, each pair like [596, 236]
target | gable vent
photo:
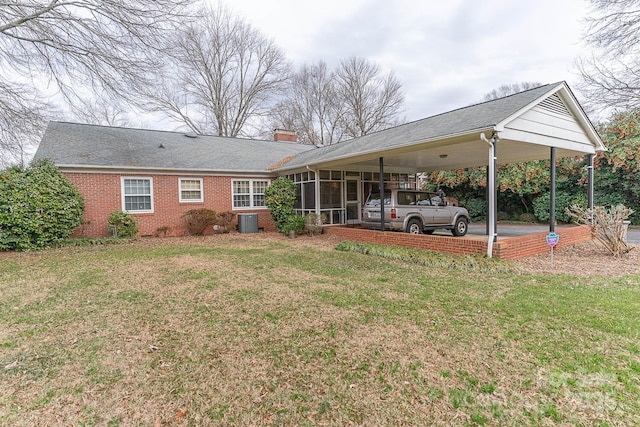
[555, 105]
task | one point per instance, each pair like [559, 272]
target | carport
[542, 123]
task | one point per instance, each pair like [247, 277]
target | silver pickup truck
[415, 212]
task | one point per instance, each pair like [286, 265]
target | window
[191, 190]
[137, 195]
[249, 193]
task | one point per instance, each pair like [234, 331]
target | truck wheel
[460, 227]
[414, 226]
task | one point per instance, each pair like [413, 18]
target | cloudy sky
[447, 54]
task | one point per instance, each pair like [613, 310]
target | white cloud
[446, 54]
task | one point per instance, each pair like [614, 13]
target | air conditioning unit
[248, 223]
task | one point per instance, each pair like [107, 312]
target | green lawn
[236, 330]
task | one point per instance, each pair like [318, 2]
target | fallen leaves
[11, 365]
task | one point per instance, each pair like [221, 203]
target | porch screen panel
[330, 195]
[309, 195]
[298, 203]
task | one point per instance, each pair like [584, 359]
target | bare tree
[225, 74]
[22, 120]
[611, 77]
[69, 48]
[99, 109]
[312, 106]
[510, 89]
[608, 225]
[372, 100]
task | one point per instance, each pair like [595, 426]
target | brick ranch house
[157, 176]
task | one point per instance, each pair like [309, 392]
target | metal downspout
[381, 179]
[590, 182]
[552, 192]
[491, 186]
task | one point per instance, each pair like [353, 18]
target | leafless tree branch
[372, 101]
[71, 49]
[225, 74]
[611, 77]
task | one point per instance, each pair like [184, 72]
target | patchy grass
[233, 330]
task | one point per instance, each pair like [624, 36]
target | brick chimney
[283, 135]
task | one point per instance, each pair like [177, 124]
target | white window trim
[200, 200]
[251, 193]
[122, 179]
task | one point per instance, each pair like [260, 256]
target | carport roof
[527, 125]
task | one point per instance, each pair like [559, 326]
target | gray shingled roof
[71, 144]
[463, 120]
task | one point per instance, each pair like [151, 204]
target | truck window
[374, 198]
[406, 198]
[423, 199]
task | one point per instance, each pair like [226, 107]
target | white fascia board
[367, 154]
[549, 141]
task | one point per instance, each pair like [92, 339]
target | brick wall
[510, 248]
[103, 194]
[534, 244]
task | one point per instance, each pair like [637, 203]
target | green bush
[39, 207]
[564, 199]
[280, 198]
[122, 225]
[477, 209]
[198, 220]
[294, 223]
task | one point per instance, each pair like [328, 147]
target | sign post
[552, 240]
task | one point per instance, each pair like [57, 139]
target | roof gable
[463, 126]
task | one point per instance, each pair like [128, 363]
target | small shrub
[224, 221]
[198, 220]
[609, 226]
[161, 231]
[527, 217]
[122, 225]
[503, 216]
[313, 223]
[294, 223]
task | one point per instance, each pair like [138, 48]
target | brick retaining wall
[506, 248]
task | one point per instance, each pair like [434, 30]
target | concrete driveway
[511, 230]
